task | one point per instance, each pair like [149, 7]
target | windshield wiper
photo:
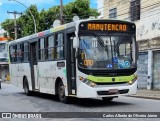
[119, 41]
[100, 41]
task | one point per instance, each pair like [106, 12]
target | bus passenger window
[13, 54]
[60, 46]
[22, 52]
[26, 52]
[19, 53]
[51, 48]
[41, 49]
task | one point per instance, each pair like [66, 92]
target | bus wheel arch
[60, 90]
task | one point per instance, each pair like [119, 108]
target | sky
[14, 6]
[100, 7]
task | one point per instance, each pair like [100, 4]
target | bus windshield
[106, 52]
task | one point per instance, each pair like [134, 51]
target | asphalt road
[13, 99]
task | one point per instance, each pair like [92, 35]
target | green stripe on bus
[64, 71]
[110, 79]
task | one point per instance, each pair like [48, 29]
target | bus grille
[124, 91]
[111, 83]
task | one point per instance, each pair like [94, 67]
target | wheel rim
[26, 89]
[61, 93]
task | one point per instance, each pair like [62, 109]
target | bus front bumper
[85, 91]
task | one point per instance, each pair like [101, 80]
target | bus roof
[44, 33]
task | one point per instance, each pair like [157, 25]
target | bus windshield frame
[115, 40]
[102, 48]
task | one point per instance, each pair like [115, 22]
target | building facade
[146, 15]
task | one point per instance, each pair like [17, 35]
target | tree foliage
[45, 18]
[8, 25]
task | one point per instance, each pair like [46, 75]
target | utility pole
[61, 11]
[15, 23]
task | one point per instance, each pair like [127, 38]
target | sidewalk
[148, 94]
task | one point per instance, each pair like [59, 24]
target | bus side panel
[42, 76]
[48, 73]
[26, 72]
[19, 75]
[17, 72]
[50, 76]
[47, 76]
[13, 74]
[62, 73]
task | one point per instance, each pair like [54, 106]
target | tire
[0, 84]
[61, 93]
[26, 87]
[107, 99]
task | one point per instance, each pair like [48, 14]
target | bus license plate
[113, 90]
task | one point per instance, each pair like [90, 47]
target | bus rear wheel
[26, 87]
[107, 99]
[61, 93]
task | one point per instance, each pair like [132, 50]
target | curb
[145, 97]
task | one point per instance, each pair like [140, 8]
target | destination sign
[118, 27]
[107, 27]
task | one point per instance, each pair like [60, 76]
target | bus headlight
[132, 81]
[88, 82]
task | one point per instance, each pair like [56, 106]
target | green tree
[42, 21]
[80, 8]
[51, 15]
[26, 21]
[5, 35]
[8, 25]
[45, 18]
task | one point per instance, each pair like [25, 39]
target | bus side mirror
[75, 42]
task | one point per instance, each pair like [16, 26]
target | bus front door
[71, 65]
[33, 65]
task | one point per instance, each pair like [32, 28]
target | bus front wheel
[61, 93]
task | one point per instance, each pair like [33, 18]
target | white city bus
[84, 59]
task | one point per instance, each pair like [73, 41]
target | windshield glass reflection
[106, 52]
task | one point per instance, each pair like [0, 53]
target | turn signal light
[81, 78]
